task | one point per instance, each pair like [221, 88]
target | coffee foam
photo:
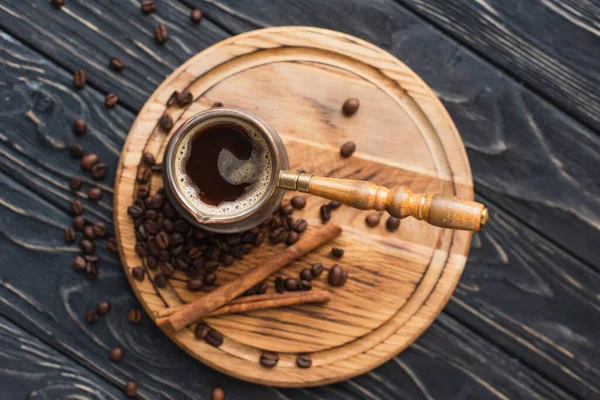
[263, 171]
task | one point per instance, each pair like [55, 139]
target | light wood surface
[296, 79]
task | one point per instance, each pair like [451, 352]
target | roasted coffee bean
[91, 316]
[184, 98]
[337, 276]
[347, 149]
[79, 78]
[217, 104]
[218, 394]
[58, 3]
[134, 316]
[194, 285]
[103, 308]
[182, 261]
[160, 34]
[214, 338]
[227, 259]
[135, 211]
[172, 98]
[175, 239]
[138, 273]
[95, 193]
[152, 226]
[80, 126]
[234, 239]
[279, 285]
[143, 175]
[91, 258]
[88, 232]
[89, 161]
[116, 64]
[131, 388]
[170, 212]
[259, 239]
[334, 205]
[100, 229]
[162, 240]
[196, 15]
[291, 284]
[142, 192]
[285, 222]
[99, 170]
[168, 225]
[372, 220]
[156, 202]
[160, 280]
[148, 6]
[250, 292]
[287, 209]
[151, 262]
[274, 223]
[268, 359]
[247, 249]
[87, 246]
[392, 224]
[325, 213]
[77, 151]
[201, 330]
[166, 122]
[306, 275]
[209, 279]
[162, 255]
[303, 361]
[278, 235]
[75, 183]
[111, 100]
[111, 245]
[166, 268]
[116, 354]
[91, 271]
[236, 252]
[76, 207]
[298, 202]
[300, 225]
[304, 285]
[156, 168]
[78, 264]
[337, 252]
[149, 159]
[69, 235]
[78, 222]
[195, 252]
[350, 107]
[262, 288]
[292, 238]
[316, 269]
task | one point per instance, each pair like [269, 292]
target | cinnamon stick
[224, 294]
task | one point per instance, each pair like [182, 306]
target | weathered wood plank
[48, 299]
[550, 45]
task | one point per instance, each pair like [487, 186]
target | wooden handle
[437, 209]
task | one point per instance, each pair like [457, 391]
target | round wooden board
[296, 79]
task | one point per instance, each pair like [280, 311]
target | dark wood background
[520, 80]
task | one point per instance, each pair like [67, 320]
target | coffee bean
[58, 3]
[201, 330]
[279, 285]
[91, 316]
[152, 226]
[78, 222]
[166, 268]
[162, 240]
[134, 316]
[160, 280]
[151, 262]
[300, 225]
[170, 212]
[234, 239]
[160, 34]
[99, 170]
[111, 245]
[100, 229]
[218, 394]
[104, 308]
[131, 389]
[194, 285]
[91, 271]
[116, 354]
[172, 98]
[95, 193]
[87, 246]
[287, 209]
[138, 273]
[155, 202]
[214, 338]
[291, 284]
[325, 213]
[392, 224]
[334, 205]
[89, 161]
[134, 211]
[148, 6]
[304, 285]
[306, 275]
[262, 288]
[350, 107]
[259, 239]
[337, 276]
[156, 168]
[69, 235]
[316, 269]
[91, 258]
[277, 236]
[142, 192]
[166, 122]
[76, 151]
[79, 78]
[298, 202]
[184, 98]
[209, 279]
[88, 232]
[148, 158]
[111, 100]
[337, 252]
[217, 104]
[78, 264]
[75, 183]
[250, 292]
[76, 207]
[373, 219]
[303, 361]
[196, 15]
[162, 255]
[347, 149]
[116, 64]
[268, 359]
[292, 238]
[80, 126]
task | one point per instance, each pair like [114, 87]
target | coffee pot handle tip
[441, 210]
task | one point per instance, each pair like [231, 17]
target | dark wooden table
[520, 80]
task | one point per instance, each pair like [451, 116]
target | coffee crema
[224, 166]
